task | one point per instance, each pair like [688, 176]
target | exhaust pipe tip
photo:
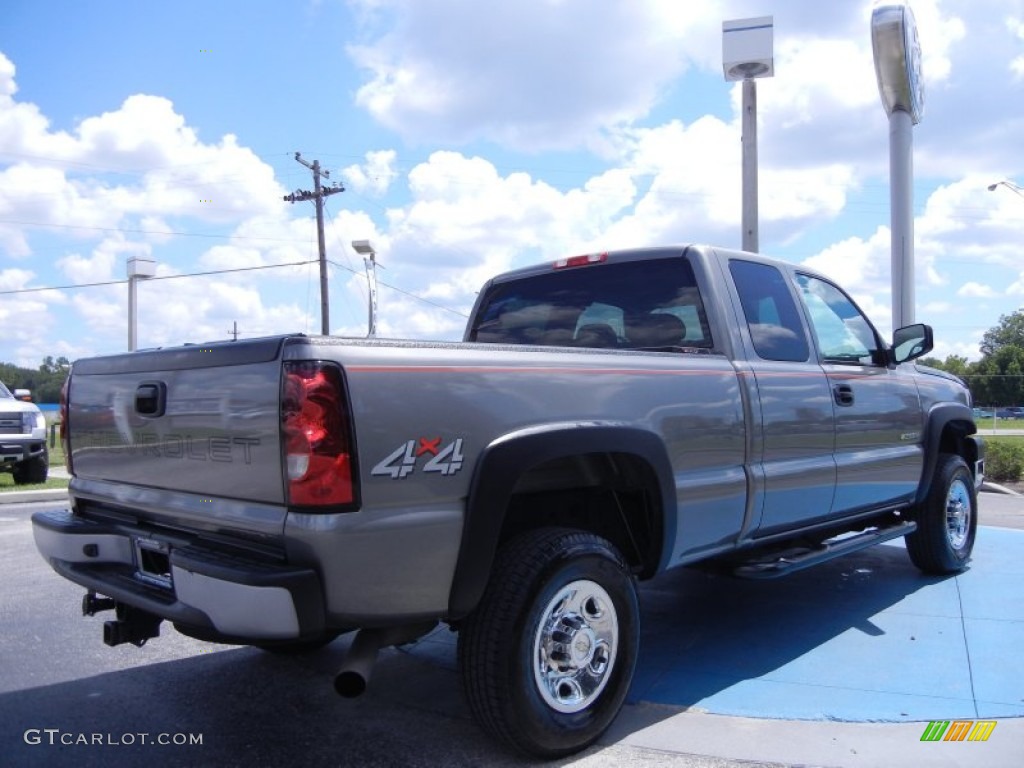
[350, 684]
[354, 675]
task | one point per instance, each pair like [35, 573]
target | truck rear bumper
[232, 596]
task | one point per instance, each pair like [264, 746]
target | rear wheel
[548, 656]
[947, 519]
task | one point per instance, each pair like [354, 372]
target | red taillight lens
[64, 434]
[316, 435]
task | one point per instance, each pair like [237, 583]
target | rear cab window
[770, 311]
[651, 304]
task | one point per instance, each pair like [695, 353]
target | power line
[407, 293]
[159, 277]
[149, 231]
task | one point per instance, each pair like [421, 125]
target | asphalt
[845, 664]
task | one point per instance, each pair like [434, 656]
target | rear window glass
[652, 304]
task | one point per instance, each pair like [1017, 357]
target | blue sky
[472, 138]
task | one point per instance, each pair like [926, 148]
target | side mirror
[911, 342]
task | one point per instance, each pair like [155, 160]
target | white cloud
[375, 175]
[456, 70]
[974, 290]
[1016, 28]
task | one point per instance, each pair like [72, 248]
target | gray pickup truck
[607, 417]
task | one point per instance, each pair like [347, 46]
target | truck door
[793, 437]
[879, 454]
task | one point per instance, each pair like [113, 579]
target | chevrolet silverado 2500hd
[606, 417]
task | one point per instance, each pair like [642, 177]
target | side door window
[843, 334]
[879, 456]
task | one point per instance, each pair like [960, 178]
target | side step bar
[768, 567]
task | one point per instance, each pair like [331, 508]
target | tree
[1008, 333]
[955, 364]
[998, 378]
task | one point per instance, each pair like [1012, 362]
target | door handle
[843, 394]
[151, 399]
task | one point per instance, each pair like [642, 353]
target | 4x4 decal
[401, 462]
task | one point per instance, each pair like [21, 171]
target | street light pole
[365, 249]
[747, 53]
[139, 268]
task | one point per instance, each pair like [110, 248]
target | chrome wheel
[958, 514]
[575, 646]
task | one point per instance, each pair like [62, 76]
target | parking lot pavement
[843, 664]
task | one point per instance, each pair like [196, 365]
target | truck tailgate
[199, 419]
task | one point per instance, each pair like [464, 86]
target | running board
[789, 562]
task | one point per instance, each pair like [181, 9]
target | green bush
[1004, 461]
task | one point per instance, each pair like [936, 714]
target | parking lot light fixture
[1009, 185]
[365, 249]
[748, 53]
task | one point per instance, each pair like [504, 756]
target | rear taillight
[581, 261]
[64, 433]
[316, 436]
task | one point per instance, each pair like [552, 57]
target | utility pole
[317, 196]
[234, 331]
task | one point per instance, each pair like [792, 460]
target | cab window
[770, 311]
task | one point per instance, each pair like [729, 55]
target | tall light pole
[747, 53]
[139, 268]
[1009, 185]
[897, 53]
[365, 249]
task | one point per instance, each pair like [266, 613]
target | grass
[56, 460]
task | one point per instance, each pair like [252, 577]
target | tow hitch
[132, 625]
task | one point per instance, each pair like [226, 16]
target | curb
[993, 488]
[29, 497]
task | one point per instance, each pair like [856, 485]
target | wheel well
[954, 440]
[613, 495]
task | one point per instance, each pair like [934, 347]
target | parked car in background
[22, 439]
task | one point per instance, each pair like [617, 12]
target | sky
[471, 138]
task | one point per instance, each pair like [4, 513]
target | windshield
[651, 304]
[5, 393]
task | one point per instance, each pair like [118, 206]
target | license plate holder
[153, 562]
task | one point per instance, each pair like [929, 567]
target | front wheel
[548, 656]
[947, 519]
[32, 471]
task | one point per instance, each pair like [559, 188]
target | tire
[32, 471]
[548, 656]
[947, 519]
